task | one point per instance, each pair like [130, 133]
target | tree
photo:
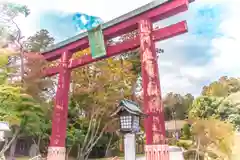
[97, 89]
[214, 138]
[225, 109]
[188, 101]
[176, 106]
[41, 40]
[9, 29]
[173, 103]
[28, 75]
[223, 87]
[11, 35]
[35, 83]
[28, 114]
[186, 131]
[205, 107]
[19, 109]
[24, 115]
[9, 94]
[229, 109]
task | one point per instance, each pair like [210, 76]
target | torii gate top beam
[156, 10]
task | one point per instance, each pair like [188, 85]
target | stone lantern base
[157, 152]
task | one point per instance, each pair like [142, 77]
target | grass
[27, 158]
[121, 158]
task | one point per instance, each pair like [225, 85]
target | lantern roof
[129, 106]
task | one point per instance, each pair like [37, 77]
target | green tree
[186, 131]
[226, 109]
[205, 107]
[17, 108]
[41, 40]
[28, 114]
[229, 109]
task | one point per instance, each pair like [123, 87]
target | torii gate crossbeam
[140, 19]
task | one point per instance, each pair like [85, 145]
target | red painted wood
[165, 11]
[50, 71]
[170, 31]
[153, 105]
[160, 34]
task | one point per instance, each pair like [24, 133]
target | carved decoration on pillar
[151, 86]
[56, 153]
[157, 152]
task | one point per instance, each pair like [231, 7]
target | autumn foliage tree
[176, 106]
[223, 87]
[96, 90]
[213, 138]
[22, 112]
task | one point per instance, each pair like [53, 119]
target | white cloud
[106, 9]
[223, 60]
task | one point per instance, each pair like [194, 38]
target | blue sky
[209, 50]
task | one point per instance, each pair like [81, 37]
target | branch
[88, 132]
[95, 135]
[109, 144]
[92, 132]
[100, 135]
[18, 31]
[5, 148]
[36, 144]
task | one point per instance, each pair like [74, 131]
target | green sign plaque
[96, 42]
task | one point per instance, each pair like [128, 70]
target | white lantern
[126, 121]
[129, 114]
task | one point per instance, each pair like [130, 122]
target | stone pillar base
[56, 153]
[156, 152]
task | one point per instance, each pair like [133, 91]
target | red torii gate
[140, 19]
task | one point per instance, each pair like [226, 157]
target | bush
[183, 144]
[171, 141]
[186, 133]
[190, 155]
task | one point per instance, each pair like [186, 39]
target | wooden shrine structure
[141, 20]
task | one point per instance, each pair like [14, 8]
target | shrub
[186, 133]
[183, 144]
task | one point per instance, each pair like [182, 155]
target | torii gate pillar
[57, 150]
[154, 124]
